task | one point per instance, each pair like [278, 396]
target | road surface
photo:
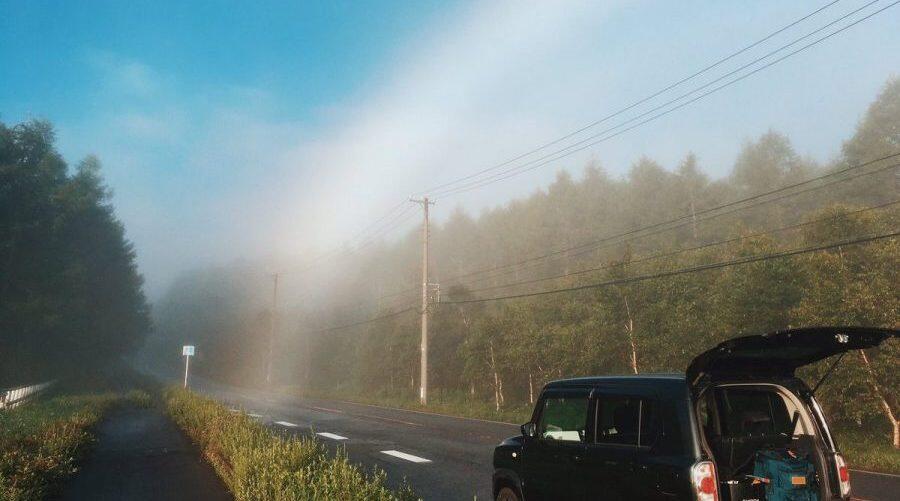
[442, 457]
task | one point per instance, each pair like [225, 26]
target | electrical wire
[636, 103]
[590, 141]
[682, 271]
[361, 322]
[687, 217]
[691, 249]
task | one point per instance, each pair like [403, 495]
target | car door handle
[577, 458]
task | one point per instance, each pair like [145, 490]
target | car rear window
[624, 420]
[751, 411]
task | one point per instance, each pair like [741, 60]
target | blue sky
[271, 130]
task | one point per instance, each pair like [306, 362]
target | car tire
[508, 494]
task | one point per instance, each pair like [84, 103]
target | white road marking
[326, 409]
[876, 473]
[331, 436]
[408, 457]
[285, 423]
[255, 415]
[389, 420]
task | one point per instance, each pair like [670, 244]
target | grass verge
[41, 442]
[259, 464]
[865, 451]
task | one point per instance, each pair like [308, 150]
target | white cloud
[125, 76]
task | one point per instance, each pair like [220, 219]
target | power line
[663, 226]
[686, 217]
[380, 227]
[682, 271]
[607, 242]
[378, 221]
[636, 103]
[514, 171]
[691, 249]
[396, 222]
[361, 322]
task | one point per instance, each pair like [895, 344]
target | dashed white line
[331, 436]
[326, 409]
[255, 415]
[285, 423]
[408, 457]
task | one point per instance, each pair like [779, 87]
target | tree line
[70, 293]
[596, 229]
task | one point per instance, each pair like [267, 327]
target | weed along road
[442, 457]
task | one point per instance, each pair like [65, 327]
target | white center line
[285, 423]
[331, 436]
[408, 457]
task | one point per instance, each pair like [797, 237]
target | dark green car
[692, 436]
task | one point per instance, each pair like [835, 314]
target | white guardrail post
[14, 397]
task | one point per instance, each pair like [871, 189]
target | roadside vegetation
[868, 451]
[42, 442]
[257, 463]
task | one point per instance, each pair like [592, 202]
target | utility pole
[272, 330]
[423, 377]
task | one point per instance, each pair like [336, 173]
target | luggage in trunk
[790, 477]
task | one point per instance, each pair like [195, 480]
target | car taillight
[703, 478]
[843, 474]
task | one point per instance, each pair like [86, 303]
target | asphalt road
[442, 457]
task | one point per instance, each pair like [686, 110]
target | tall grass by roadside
[42, 441]
[868, 451]
[259, 464]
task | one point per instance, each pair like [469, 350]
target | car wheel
[507, 494]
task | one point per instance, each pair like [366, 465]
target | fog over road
[442, 457]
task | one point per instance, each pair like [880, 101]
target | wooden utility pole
[423, 376]
[272, 330]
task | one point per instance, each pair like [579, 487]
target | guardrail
[14, 397]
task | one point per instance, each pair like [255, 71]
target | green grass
[867, 451]
[41, 442]
[259, 464]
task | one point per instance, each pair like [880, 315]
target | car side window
[625, 420]
[563, 418]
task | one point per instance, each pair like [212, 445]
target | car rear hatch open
[780, 353]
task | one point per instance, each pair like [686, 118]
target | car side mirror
[527, 429]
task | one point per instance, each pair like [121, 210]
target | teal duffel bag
[790, 477]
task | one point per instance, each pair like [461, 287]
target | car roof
[667, 382]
